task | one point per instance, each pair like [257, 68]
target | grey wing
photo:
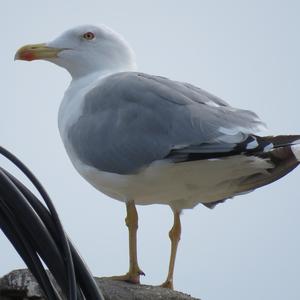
[132, 119]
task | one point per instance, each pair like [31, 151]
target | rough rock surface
[21, 285]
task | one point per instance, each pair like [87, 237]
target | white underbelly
[181, 185]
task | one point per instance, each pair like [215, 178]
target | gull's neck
[78, 83]
[88, 79]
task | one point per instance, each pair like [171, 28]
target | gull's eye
[88, 36]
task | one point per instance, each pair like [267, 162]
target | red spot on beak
[27, 55]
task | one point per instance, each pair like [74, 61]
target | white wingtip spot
[296, 151]
[252, 145]
[268, 148]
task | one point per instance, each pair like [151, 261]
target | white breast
[71, 108]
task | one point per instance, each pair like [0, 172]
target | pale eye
[88, 36]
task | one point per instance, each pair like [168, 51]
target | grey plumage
[122, 130]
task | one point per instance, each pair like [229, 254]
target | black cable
[16, 236]
[33, 229]
[21, 213]
[87, 283]
[72, 294]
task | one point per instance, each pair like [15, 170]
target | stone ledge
[21, 285]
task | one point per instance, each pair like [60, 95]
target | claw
[132, 277]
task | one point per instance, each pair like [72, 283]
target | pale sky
[246, 52]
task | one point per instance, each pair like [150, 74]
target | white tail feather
[296, 151]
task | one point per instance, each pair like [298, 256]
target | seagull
[144, 139]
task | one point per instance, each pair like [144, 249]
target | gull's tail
[281, 152]
[281, 148]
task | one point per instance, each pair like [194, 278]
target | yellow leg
[174, 235]
[131, 221]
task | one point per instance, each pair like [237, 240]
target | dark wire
[72, 291]
[22, 245]
[31, 228]
[52, 245]
[87, 282]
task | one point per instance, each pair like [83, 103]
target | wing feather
[130, 120]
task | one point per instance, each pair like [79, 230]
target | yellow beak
[37, 51]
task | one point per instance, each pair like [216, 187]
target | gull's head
[84, 50]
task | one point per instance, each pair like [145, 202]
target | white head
[84, 50]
